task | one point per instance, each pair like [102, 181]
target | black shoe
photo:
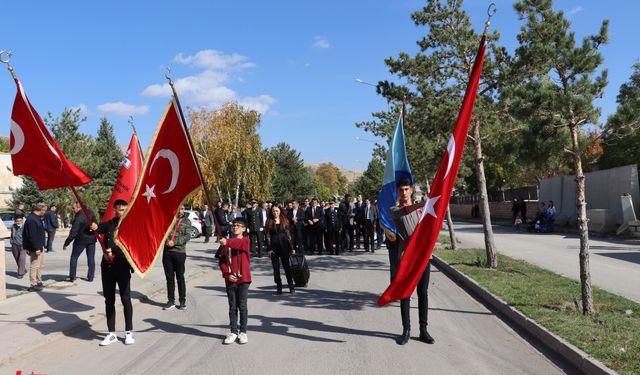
[426, 337]
[33, 289]
[279, 290]
[169, 305]
[182, 307]
[404, 338]
[40, 285]
[292, 290]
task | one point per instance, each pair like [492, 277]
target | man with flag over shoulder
[406, 216]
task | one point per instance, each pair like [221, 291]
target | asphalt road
[614, 263]
[332, 326]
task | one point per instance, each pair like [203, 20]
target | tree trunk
[489, 243]
[219, 194]
[237, 194]
[585, 274]
[452, 233]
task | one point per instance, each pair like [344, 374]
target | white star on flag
[149, 192]
[429, 207]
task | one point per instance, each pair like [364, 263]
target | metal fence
[529, 193]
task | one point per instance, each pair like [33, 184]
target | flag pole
[137, 137]
[6, 60]
[195, 158]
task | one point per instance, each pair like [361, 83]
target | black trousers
[368, 231]
[51, 235]
[206, 231]
[173, 264]
[333, 240]
[112, 274]
[348, 237]
[237, 296]
[298, 238]
[277, 258]
[423, 302]
[257, 241]
[358, 233]
[315, 238]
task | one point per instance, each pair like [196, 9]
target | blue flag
[396, 168]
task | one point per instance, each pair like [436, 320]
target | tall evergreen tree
[106, 158]
[290, 178]
[621, 135]
[563, 82]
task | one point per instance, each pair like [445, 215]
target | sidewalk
[31, 320]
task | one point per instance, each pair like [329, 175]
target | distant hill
[350, 174]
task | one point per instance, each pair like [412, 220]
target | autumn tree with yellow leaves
[230, 153]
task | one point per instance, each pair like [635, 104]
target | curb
[573, 355]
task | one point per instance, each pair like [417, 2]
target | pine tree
[559, 93]
[290, 179]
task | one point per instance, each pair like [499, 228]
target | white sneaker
[242, 338]
[110, 339]
[128, 338]
[230, 339]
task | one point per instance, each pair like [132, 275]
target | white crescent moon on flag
[175, 167]
[18, 138]
[451, 150]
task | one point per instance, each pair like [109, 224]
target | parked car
[8, 218]
[196, 223]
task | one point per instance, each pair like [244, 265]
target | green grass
[610, 335]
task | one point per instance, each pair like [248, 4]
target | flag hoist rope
[195, 158]
[6, 60]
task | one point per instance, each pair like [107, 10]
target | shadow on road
[627, 257]
[158, 325]
[310, 298]
[50, 322]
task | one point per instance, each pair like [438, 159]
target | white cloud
[575, 10]
[321, 42]
[209, 88]
[212, 59]
[83, 109]
[123, 109]
[260, 103]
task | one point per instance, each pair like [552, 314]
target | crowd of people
[314, 226]
[273, 229]
[543, 221]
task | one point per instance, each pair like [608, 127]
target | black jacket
[319, 215]
[108, 228]
[33, 233]
[332, 219]
[80, 231]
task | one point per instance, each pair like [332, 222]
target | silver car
[196, 223]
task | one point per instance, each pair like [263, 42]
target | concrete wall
[603, 191]
[7, 180]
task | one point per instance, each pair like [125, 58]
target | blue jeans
[91, 259]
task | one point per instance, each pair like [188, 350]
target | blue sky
[295, 61]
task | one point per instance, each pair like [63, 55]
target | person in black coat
[368, 217]
[256, 228]
[83, 239]
[357, 220]
[33, 243]
[115, 269]
[279, 247]
[222, 220]
[333, 224]
[296, 226]
[207, 223]
[51, 226]
[314, 223]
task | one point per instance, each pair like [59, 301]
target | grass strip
[612, 334]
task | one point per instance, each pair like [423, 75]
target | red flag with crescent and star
[420, 247]
[35, 153]
[127, 178]
[169, 176]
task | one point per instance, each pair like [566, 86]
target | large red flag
[35, 153]
[169, 176]
[127, 178]
[420, 247]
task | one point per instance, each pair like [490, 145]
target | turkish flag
[169, 176]
[420, 247]
[35, 153]
[127, 178]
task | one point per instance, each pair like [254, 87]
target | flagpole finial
[491, 11]
[130, 121]
[167, 75]
[6, 60]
